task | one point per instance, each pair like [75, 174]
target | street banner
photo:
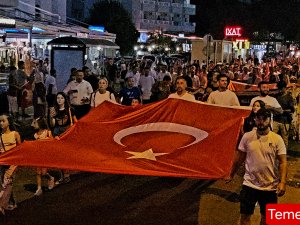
[243, 87]
[172, 137]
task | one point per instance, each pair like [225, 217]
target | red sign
[233, 31]
[281, 214]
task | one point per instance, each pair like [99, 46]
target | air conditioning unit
[9, 3]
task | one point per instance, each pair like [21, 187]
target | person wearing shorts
[264, 154]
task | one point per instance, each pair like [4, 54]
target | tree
[112, 15]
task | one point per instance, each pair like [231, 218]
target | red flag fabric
[169, 138]
[243, 87]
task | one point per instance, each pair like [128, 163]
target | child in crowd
[43, 132]
[135, 102]
[62, 116]
[9, 139]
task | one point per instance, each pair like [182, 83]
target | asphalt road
[93, 198]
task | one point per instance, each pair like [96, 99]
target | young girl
[9, 140]
[62, 116]
[43, 132]
[249, 122]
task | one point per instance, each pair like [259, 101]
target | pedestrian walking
[9, 139]
[264, 154]
[43, 132]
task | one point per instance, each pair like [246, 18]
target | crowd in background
[142, 82]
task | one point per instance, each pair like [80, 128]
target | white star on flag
[148, 154]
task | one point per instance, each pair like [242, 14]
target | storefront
[241, 48]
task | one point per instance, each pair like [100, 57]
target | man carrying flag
[181, 92]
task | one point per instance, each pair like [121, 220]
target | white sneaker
[51, 183]
[38, 192]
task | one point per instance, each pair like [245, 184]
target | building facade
[43, 10]
[164, 15]
[147, 15]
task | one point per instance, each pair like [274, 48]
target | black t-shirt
[62, 117]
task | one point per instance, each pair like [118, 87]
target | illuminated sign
[7, 23]
[96, 28]
[11, 30]
[259, 47]
[233, 31]
[37, 29]
[241, 44]
[143, 37]
[82, 35]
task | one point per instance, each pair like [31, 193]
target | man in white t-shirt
[79, 91]
[181, 92]
[271, 103]
[264, 154]
[163, 72]
[223, 96]
[146, 83]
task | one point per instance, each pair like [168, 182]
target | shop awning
[99, 42]
[73, 41]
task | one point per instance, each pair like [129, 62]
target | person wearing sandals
[9, 140]
[62, 117]
[43, 132]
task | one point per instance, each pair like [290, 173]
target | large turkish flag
[168, 138]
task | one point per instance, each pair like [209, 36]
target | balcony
[147, 21]
[163, 22]
[189, 9]
[177, 8]
[163, 7]
[148, 2]
[149, 26]
[182, 27]
[148, 5]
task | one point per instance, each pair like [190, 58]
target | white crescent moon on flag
[198, 134]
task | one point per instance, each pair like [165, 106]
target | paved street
[94, 198]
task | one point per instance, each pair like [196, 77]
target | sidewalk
[219, 204]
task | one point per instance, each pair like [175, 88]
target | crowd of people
[143, 82]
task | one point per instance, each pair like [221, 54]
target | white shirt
[226, 98]
[84, 90]
[161, 75]
[51, 80]
[268, 100]
[97, 98]
[153, 74]
[187, 96]
[136, 78]
[261, 160]
[146, 84]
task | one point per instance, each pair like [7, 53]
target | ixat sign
[233, 31]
